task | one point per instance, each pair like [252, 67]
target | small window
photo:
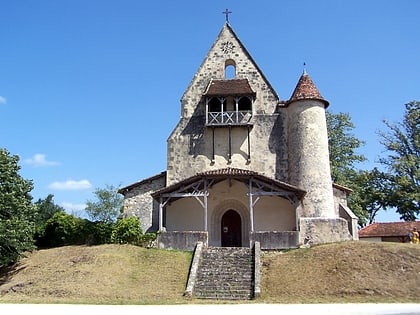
[230, 72]
[230, 69]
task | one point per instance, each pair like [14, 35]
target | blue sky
[90, 89]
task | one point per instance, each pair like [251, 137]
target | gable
[153, 182]
[226, 51]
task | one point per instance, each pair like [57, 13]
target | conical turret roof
[306, 90]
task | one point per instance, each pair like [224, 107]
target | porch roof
[230, 173]
[236, 87]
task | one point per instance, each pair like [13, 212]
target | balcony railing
[228, 118]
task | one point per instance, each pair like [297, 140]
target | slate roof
[229, 87]
[396, 229]
[125, 189]
[306, 90]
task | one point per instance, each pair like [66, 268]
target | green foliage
[45, 209]
[342, 146]
[129, 231]
[63, 229]
[16, 210]
[402, 142]
[96, 233]
[108, 205]
[370, 194]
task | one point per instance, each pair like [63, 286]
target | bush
[127, 231]
[62, 229]
[96, 233]
[65, 229]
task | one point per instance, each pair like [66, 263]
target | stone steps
[225, 273]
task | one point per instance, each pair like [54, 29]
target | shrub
[62, 229]
[96, 233]
[127, 231]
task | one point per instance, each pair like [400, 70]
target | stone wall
[181, 240]
[190, 145]
[309, 163]
[323, 230]
[139, 202]
[340, 198]
[275, 240]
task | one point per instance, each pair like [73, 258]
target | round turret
[309, 164]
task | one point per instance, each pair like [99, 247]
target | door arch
[231, 229]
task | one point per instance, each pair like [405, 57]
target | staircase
[225, 273]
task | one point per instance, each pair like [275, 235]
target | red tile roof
[395, 229]
[229, 87]
[306, 90]
[229, 171]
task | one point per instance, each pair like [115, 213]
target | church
[244, 166]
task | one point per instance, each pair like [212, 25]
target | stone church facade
[243, 165]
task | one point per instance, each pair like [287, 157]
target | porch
[187, 240]
[229, 208]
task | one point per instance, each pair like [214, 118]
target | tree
[371, 189]
[402, 142]
[108, 206]
[16, 210]
[342, 145]
[343, 159]
[46, 208]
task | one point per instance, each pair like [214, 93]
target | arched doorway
[231, 229]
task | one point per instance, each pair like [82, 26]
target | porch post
[161, 214]
[251, 207]
[205, 205]
[207, 110]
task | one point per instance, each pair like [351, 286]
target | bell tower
[227, 114]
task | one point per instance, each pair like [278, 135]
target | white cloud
[71, 185]
[2, 100]
[40, 160]
[71, 207]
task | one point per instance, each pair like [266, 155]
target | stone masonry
[285, 142]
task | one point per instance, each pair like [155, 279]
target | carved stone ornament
[227, 47]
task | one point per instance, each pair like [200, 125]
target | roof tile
[389, 229]
[306, 90]
[229, 87]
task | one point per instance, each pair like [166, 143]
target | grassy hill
[112, 274]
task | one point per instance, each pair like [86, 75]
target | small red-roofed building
[388, 231]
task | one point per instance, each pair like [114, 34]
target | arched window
[230, 69]
[215, 105]
[244, 104]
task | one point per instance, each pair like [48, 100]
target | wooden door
[231, 229]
